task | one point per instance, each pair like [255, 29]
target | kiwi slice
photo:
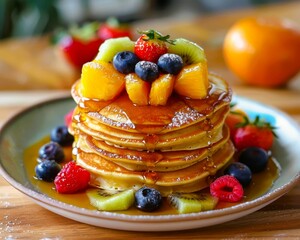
[112, 46]
[111, 200]
[192, 202]
[190, 52]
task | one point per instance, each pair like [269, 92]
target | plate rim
[266, 198]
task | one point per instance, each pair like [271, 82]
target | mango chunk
[192, 81]
[137, 89]
[161, 89]
[99, 80]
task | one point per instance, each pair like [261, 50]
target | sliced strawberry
[151, 45]
[227, 188]
[254, 134]
[72, 178]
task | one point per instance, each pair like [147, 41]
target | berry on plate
[240, 171]
[227, 188]
[68, 118]
[47, 170]
[255, 158]
[72, 178]
[51, 151]
[257, 133]
[151, 45]
[62, 136]
[148, 199]
[234, 118]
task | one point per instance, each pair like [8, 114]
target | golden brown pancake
[175, 147]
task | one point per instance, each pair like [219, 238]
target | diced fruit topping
[62, 136]
[190, 52]
[148, 71]
[192, 202]
[72, 178]
[192, 81]
[151, 45]
[47, 170]
[113, 46]
[227, 188]
[255, 133]
[112, 28]
[99, 80]
[255, 158]
[240, 171]
[170, 63]
[51, 151]
[161, 89]
[148, 199]
[137, 89]
[125, 62]
[105, 200]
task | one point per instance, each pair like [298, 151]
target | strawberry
[227, 188]
[151, 45]
[233, 119]
[80, 45]
[254, 134]
[68, 117]
[72, 178]
[113, 29]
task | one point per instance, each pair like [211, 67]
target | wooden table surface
[21, 218]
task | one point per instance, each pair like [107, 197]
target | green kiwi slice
[111, 200]
[112, 46]
[190, 52]
[192, 202]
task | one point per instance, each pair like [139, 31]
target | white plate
[32, 124]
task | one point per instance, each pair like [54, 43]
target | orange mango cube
[137, 89]
[192, 81]
[99, 80]
[161, 89]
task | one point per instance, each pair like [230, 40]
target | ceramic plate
[32, 124]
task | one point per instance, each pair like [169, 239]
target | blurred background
[20, 18]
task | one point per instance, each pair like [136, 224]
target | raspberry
[72, 178]
[227, 188]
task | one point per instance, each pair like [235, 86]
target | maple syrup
[260, 184]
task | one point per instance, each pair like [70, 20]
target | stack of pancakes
[178, 147]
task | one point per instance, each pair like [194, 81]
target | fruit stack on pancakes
[149, 114]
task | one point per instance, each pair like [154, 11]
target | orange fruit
[263, 51]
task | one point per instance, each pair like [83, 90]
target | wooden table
[21, 218]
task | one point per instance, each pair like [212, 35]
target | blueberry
[240, 171]
[148, 199]
[47, 170]
[170, 63]
[147, 71]
[62, 136]
[51, 151]
[124, 62]
[255, 158]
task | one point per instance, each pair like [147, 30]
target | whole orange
[263, 52]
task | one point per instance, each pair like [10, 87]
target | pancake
[178, 147]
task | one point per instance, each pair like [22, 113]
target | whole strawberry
[72, 178]
[234, 119]
[254, 134]
[151, 45]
